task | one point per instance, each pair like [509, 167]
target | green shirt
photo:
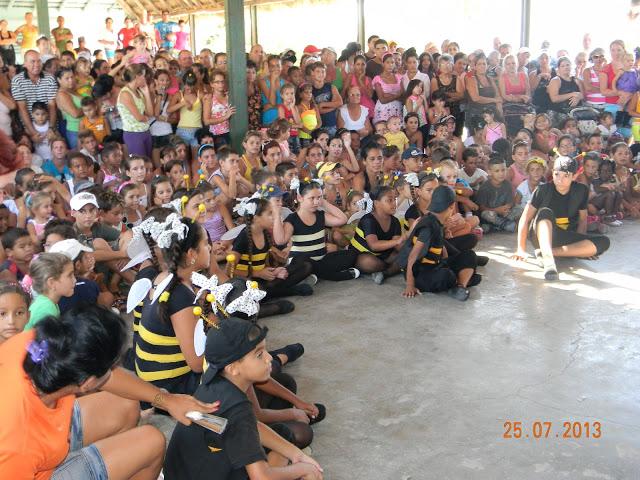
[61, 44]
[41, 307]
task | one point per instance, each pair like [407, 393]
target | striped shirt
[258, 257]
[24, 90]
[308, 240]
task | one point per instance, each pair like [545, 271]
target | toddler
[40, 117]
[606, 126]
[19, 249]
[94, 120]
[40, 206]
[395, 136]
[626, 80]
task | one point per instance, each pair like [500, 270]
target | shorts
[160, 141]
[81, 462]
[561, 237]
[188, 135]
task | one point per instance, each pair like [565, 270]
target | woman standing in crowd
[591, 78]
[482, 92]
[446, 82]
[358, 78]
[69, 104]
[565, 91]
[135, 107]
[388, 87]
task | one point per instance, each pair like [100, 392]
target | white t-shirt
[109, 36]
[43, 148]
[524, 190]
[479, 173]
[426, 83]
[5, 119]
[354, 124]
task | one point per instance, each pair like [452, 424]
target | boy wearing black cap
[424, 257]
[556, 219]
[237, 357]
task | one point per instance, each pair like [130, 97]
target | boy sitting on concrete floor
[495, 199]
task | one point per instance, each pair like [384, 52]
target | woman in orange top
[48, 432]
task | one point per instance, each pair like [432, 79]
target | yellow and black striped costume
[257, 257]
[368, 225]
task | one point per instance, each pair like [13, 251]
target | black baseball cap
[441, 199]
[565, 164]
[412, 153]
[228, 341]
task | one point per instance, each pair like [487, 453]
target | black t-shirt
[566, 208]
[373, 68]
[197, 453]
[368, 225]
[490, 196]
[412, 213]
[85, 292]
[258, 257]
[430, 232]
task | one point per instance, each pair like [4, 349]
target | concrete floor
[421, 389]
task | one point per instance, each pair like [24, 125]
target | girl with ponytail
[252, 249]
[164, 353]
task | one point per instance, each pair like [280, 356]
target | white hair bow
[219, 292]
[173, 225]
[295, 184]
[412, 179]
[175, 204]
[365, 204]
[249, 302]
[245, 207]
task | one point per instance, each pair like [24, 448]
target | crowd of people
[122, 196]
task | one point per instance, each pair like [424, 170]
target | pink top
[141, 58]
[365, 100]
[394, 88]
[519, 88]
[518, 177]
[494, 133]
[218, 109]
[181, 40]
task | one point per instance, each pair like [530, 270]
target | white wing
[138, 259]
[233, 233]
[199, 338]
[285, 212]
[138, 292]
[356, 216]
[161, 287]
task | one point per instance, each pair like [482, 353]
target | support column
[254, 24]
[237, 69]
[525, 23]
[361, 33]
[192, 32]
[42, 12]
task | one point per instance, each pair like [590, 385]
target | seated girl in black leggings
[252, 249]
[306, 229]
[424, 256]
[378, 235]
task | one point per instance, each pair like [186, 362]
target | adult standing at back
[29, 33]
[326, 97]
[31, 86]
[411, 68]
[127, 33]
[108, 39]
[135, 107]
[270, 86]
[61, 35]
[591, 78]
[164, 28]
[608, 74]
[374, 66]
[7, 40]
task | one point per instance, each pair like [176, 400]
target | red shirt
[125, 35]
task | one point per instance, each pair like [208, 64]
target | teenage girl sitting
[369, 178]
[306, 229]
[378, 235]
[252, 249]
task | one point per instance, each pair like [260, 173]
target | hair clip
[201, 211]
[219, 292]
[412, 179]
[295, 184]
[38, 351]
[124, 184]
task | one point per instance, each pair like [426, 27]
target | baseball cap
[565, 164]
[524, 50]
[412, 153]
[441, 199]
[228, 341]
[272, 191]
[79, 200]
[326, 167]
[70, 247]
[311, 50]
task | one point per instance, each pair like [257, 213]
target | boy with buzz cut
[495, 199]
[470, 172]
[19, 249]
[237, 357]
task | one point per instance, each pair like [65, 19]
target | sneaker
[284, 307]
[475, 279]
[355, 272]
[538, 254]
[459, 293]
[293, 352]
[311, 280]
[551, 274]
[481, 260]
[302, 289]
[378, 278]
[614, 223]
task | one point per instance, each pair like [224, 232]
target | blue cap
[271, 191]
[412, 153]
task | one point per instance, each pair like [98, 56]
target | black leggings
[442, 277]
[335, 265]
[561, 238]
[457, 244]
[299, 269]
[298, 433]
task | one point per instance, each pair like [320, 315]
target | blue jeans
[72, 139]
[81, 462]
